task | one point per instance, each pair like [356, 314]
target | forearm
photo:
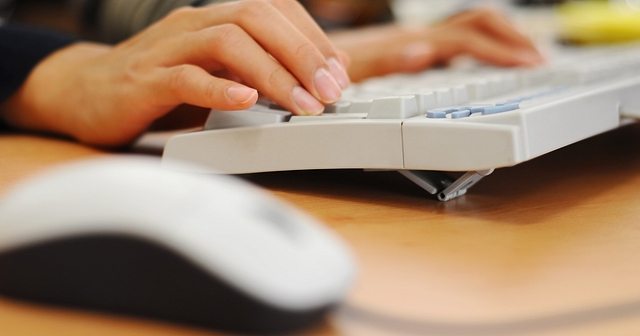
[46, 99]
[21, 48]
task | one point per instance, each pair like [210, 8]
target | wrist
[45, 101]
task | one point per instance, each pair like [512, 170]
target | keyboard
[468, 118]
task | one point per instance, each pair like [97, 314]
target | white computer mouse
[124, 235]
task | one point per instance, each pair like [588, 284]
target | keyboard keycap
[426, 101]
[499, 109]
[460, 96]
[460, 114]
[443, 97]
[339, 107]
[257, 115]
[360, 106]
[400, 107]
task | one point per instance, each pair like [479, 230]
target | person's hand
[482, 33]
[215, 57]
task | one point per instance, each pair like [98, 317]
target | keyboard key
[479, 89]
[339, 107]
[327, 117]
[499, 109]
[436, 114]
[476, 108]
[360, 106]
[443, 97]
[426, 101]
[400, 107]
[257, 115]
[460, 96]
[460, 114]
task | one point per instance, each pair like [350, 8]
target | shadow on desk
[544, 185]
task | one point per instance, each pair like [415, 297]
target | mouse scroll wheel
[281, 220]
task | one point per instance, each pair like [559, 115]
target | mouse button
[33, 212]
[285, 220]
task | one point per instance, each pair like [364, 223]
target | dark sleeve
[21, 48]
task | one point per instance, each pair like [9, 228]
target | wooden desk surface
[549, 247]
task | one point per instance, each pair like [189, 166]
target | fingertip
[326, 86]
[242, 95]
[305, 102]
[529, 59]
[339, 73]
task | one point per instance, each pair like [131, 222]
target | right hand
[484, 34]
[106, 95]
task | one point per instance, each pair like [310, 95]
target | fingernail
[338, 73]
[241, 94]
[326, 86]
[306, 102]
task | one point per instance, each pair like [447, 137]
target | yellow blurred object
[599, 22]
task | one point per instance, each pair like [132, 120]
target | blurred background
[570, 21]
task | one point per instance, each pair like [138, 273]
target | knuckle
[179, 14]
[210, 91]
[178, 79]
[227, 36]
[276, 77]
[283, 3]
[468, 17]
[305, 50]
[253, 8]
[486, 14]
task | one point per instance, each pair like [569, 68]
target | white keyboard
[464, 119]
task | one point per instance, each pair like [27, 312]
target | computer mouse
[124, 235]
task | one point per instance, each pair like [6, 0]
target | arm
[21, 48]
[107, 95]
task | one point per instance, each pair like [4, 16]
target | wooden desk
[550, 247]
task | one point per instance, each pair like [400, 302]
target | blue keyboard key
[500, 108]
[436, 114]
[475, 108]
[440, 112]
[460, 114]
[444, 109]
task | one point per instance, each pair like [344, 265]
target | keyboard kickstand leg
[442, 184]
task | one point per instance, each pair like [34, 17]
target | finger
[416, 57]
[280, 38]
[193, 85]
[345, 59]
[481, 47]
[497, 25]
[236, 51]
[493, 22]
[300, 18]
